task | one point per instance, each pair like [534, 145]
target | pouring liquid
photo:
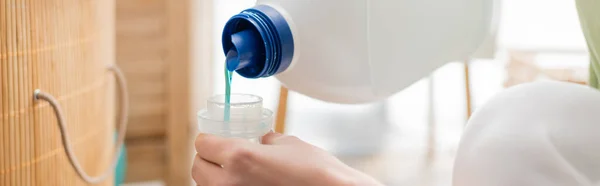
[227, 108]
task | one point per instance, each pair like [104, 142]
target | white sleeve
[537, 134]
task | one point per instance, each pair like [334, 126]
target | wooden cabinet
[155, 40]
[62, 48]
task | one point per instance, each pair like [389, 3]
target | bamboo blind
[61, 47]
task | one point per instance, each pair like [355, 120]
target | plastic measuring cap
[247, 117]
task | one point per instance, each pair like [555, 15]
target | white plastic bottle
[353, 51]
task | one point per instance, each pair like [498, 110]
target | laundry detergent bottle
[352, 51]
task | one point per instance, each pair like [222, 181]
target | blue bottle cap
[258, 42]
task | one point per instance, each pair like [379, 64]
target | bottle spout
[232, 60]
[258, 42]
[244, 51]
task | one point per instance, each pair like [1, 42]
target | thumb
[274, 138]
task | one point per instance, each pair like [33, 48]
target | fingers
[221, 150]
[273, 138]
[206, 173]
[270, 138]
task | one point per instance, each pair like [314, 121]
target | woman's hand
[280, 160]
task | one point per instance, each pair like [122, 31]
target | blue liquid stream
[227, 108]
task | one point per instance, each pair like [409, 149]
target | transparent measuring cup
[248, 119]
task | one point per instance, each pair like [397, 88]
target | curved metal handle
[124, 103]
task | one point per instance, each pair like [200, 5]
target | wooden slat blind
[61, 47]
